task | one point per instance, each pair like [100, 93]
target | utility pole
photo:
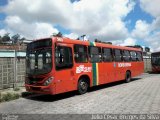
[83, 36]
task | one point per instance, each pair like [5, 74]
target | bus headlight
[48, 81]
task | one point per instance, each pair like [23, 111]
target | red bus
[155, 61]
[57, 65]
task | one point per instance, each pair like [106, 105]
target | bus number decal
[81, 68]
[124, 65]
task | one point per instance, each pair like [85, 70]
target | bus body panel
[98, 73]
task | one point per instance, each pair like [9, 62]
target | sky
[122, 22]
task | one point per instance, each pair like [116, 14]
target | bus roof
[154, 53]
[98, 44]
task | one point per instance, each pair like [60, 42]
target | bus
[58, 64]
[155, 61]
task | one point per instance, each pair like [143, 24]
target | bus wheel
[82, 86]
[128, 77]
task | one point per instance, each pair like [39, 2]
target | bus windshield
[39, 61]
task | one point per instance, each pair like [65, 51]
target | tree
[6, 38]
[147, 49]
[21, 40]
[59, 34]
[96, 40]
[139, 46]
[15, 38]
[109, 43]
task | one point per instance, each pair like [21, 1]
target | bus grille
[36, 88]
[34, 80]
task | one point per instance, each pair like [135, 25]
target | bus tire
[128, 77]
[82, 86]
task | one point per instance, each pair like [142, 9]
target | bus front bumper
[39, 89]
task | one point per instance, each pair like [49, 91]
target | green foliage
[139, 46]
[15, 96]
[9, 96]
[57, 35]
[15, 38]
[147, 49]
[6, 37]
[96, 40]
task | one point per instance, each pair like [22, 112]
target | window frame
[84, 52]
[137, 56]
[129, 60]
[115, 55]
[99, 54]
[132, 57]
[71, 55]
[111, 55]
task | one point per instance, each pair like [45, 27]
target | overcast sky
[123, 22]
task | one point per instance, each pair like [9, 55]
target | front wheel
[82, 86]
[128, 77]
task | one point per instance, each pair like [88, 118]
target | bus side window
[63, 57]
[118, 55]
[107, 54]
[95, 54]
[126, 56]
[80, 53]
[139, 56]
[133, 55]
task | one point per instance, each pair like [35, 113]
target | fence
[147, 64]
[12, 69]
